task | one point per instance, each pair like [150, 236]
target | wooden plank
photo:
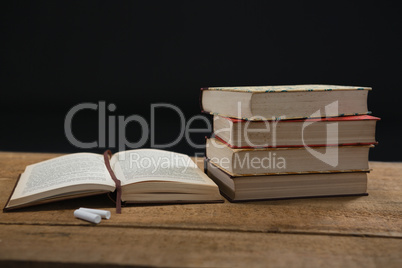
[173, 248]
[378, 214]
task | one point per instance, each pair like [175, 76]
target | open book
[146, 176]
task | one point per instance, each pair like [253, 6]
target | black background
[57, 54]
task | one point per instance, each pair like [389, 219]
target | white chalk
[87, 216]
[103, 213]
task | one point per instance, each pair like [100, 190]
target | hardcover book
[347, 130]
[287, 186]
[296, 160]
[284, 102]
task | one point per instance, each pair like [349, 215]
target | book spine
[200, 99]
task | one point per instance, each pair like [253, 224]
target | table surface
[352, 231]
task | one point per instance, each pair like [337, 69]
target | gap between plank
[216, 230]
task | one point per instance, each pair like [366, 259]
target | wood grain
[346, 230]
[173, 248]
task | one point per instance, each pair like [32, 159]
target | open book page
[64, 171]
[156, 165]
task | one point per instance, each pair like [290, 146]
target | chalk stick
[87, 216]
[103, 213]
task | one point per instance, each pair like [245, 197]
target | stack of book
[289, 141]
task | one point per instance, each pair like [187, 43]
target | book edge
[258, 119]
[294, 146]
[5, 209]
[234, 175]
[291, 198]
[271, 89]
[47, 201]
[176, 202]
[236, 150]
[340, 118]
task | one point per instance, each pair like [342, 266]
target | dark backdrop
[57, 54]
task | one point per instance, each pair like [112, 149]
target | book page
[156, 165]
[74, 169]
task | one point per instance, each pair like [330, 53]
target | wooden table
[352, 231]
